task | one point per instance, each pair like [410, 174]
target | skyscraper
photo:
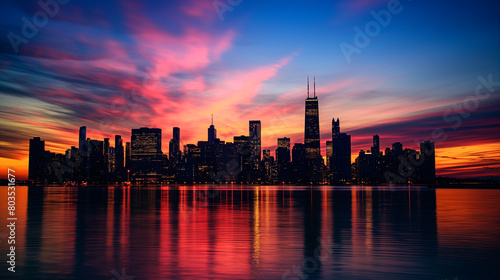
[254, 132]
[376, 145]
[283, 159]
[82, 141]
[212, 132]
[146, 154]
[174, 146]
[311, 129]
[36, 162]
[119, 154]
[340, 162]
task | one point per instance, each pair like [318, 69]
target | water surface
[248, 232]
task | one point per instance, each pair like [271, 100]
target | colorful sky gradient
[119, 65]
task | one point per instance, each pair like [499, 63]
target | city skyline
[175, 63]
[241, 161]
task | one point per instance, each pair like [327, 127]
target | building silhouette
[254, 138]
[146, 155]
[212, 132]
[315, 162]
[283, 160]
[340, 161]
[36, 165]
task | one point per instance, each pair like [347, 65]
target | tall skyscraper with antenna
[212, 132]
[311, 128]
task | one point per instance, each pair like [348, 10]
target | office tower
[363, 162]
[127, 154]
[106, 154]
[146, 154]
[254, 132]
[206, 162]
[397, 149]
[311, 129]
[255, 138]
[428, 167]
[82, 141]
[283, 150]
[174, 146]
[244, 158]
[226, 157]
[111, 159]
[119, 157]
[329, 153]
[340, 162]
[299, 164]
[283, 159]
[36, 163]
[268, 168]
[335, 126]
[212, 132]
[96, 163]
[376, 145]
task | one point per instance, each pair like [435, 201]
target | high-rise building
[82, 141]
[212, 132]
[335, 126]
[244, 157]
[376, 145]
[340, 162]
[97, 164]
[36, 163]
[299, 162]
[254, 132]
[174, 146]
[329, 153]
[106, 154]
[283, 150]
[128, 151]
[283, 159]
[311, 129]
[146, 154]
[119, 154]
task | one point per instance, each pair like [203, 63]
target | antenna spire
[314, 86]
[307, 86]
[212, 123]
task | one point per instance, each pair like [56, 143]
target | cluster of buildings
[142, 160]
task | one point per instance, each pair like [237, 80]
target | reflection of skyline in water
[261, 232]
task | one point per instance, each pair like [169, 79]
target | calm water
[254, 233]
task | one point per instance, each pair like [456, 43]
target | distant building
[254, 132]
[245, 161]
[82, 141]
[212, 132]
[283, 160]
[36, 163]
[174, 147]
[119, 155]
[146, 155]
[340, 162]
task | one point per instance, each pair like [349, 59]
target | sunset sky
[120, 65]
